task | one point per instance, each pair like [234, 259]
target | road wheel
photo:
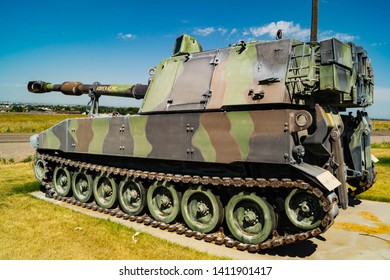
[201, 209]
[250, 218]
[62, 181]
[304, 209]
[132, 196]
[163, 202]
[105, 191]
[82, 186]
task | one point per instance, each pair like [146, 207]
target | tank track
[219, 237]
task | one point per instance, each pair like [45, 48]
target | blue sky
[118, 41]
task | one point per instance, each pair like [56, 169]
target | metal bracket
[256, 95]
[94, 102]
[205, 97]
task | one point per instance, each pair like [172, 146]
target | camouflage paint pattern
[209, 137]
[359, 145]
[256, 102]
[256, 73]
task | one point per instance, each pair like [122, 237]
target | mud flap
[318, 175]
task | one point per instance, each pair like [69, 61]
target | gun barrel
[314, 21]
[136, 91]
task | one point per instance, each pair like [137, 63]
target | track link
[218, 238]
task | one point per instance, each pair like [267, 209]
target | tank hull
[237, 143]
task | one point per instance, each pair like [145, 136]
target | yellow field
[19, 122]
[380, 125]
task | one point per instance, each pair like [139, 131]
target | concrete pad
[360, 232]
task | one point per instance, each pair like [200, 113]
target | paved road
[15, 137]
[360, 232]
[15, 146]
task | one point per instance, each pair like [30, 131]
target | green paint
[142, 146]
[356, 141]
[201, 140]
[100, 127]
[242, 128]
[238, 74]
[73, 125]
[51, 141]
[161, 84]
[356, 138]
[186, 44]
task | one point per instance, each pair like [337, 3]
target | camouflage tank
[243, 146]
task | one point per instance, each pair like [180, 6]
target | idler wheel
[132, 196]
[82, 186]
[304, 209]
[105, 191]
[62, 181]
[163, 202]
[40, 169]
[201, 209]
[250, 218]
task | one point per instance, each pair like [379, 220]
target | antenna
[314, 21]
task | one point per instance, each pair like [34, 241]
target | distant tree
[17, 109]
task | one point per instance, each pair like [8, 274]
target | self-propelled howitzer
[250, 134]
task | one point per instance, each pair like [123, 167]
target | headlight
[34, 141]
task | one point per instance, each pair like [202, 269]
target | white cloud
[289, 29]
[346, 37]
[324, 35]
[234, 31]
[204, 31]
[125, 36]
[222, 31]
[379, 44]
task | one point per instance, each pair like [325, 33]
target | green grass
[33, 229]
[18, 122]
[383, 145]
[380, 191]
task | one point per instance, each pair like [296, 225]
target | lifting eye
[300, 120]
[279, 34]
[151, 71]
